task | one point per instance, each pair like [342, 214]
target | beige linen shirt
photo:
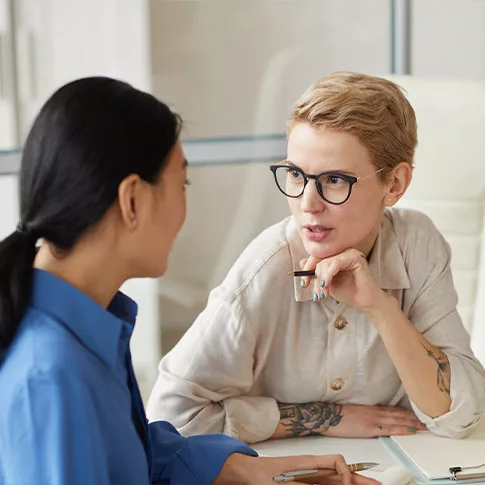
[262, 340]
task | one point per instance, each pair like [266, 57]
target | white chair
[449, 182]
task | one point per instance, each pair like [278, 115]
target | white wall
[209, 57]
[61, 40]
[449, 38]
[8, 204]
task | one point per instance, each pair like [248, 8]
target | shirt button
[340, 323]
[337, 384]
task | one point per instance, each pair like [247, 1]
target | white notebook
[433, 455]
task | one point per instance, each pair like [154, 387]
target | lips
[316, 232]
[316, 227]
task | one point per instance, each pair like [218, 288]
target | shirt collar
[386, 261]
[99, 329]
[297, 253]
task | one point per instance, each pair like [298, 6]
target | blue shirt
[70, 408]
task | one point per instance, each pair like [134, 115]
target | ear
[398, 181]
[129, 192]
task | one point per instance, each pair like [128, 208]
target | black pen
[307, 272]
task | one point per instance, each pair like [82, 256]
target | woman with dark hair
[102, 184]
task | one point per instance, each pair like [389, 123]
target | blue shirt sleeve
[196, 460]
[53, 435]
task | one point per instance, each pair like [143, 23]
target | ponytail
[17, 253]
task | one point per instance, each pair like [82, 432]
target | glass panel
[449, 38]
[237, 67]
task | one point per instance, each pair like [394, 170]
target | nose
[310, 199]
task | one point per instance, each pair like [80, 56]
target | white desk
[354, 450]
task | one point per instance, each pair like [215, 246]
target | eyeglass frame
[350, 179]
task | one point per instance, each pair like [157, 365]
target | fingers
[343, 470]
[329, 274]
[335, 462]
[394, 415]
[410, 422]
[327, 269]
[308, 264]
[355, 477]
[394, 430]
[342, 476]
[361, 480]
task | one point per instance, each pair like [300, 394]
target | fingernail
[302, 283]
[322, 283]
[412, 429]
[322, 294]
[315, 297]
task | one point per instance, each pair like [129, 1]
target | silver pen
[320, 472]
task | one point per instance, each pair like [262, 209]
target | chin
[153, 270]
[322, 250]
[159, 272]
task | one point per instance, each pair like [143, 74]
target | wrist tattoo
[443, 375]
[313, 418]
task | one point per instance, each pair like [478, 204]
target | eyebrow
[346, 172]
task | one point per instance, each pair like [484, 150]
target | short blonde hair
[373, 109]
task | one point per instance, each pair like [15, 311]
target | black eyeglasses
[333, 187]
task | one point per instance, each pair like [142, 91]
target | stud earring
[134, 223]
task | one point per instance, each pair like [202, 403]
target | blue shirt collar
[98, 328]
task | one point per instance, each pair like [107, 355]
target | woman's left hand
[346, 277]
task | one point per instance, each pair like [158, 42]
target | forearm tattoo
[443, 375]
[313, 418]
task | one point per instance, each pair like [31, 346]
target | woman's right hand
[246, 470]
[359, 421]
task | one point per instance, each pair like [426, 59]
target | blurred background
[232, 69]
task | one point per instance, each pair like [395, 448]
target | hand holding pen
[345, 276]
[248, 470]
[319, 473]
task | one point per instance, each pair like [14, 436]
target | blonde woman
[373, 345]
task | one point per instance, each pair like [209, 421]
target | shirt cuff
[189, 461]
[251, 418]
[467, 406]
[205, 455]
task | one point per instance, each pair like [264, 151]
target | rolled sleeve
[467, 402]
[189, 461]
[434, 314]
[251, 418]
